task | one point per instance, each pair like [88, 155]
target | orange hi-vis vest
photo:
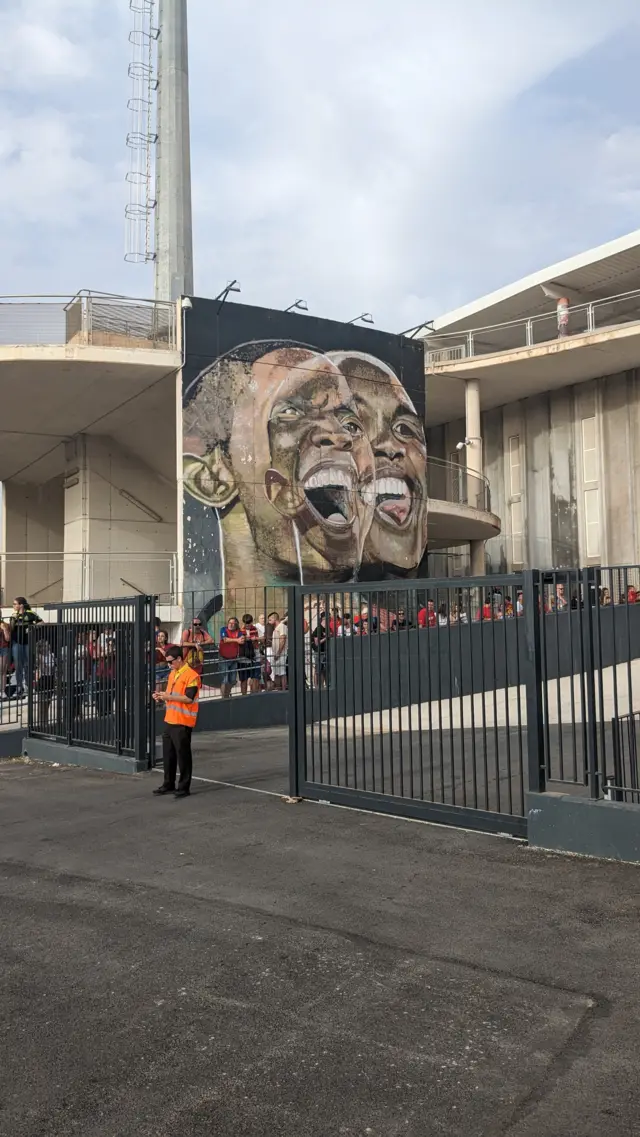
[182, 714]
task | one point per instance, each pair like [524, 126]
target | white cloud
[360, 154]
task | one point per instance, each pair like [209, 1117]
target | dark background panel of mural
[303, 448]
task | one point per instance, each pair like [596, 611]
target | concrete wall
[32, 541]
[116, 545]
[578, 509]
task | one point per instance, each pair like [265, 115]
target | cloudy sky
[400, 158]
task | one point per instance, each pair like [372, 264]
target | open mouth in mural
[395, 498]
[330, 491]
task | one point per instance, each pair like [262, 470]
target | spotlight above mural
[298, 306]
[365, 318]
[230, 286]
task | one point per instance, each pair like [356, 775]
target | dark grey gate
[450, 700]
[418, 702]
[91, 677]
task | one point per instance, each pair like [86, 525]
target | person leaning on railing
[22, 620]
[193, 641]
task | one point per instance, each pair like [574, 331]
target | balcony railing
[596, 316]
[88, 319]
[45, 577]
[448, 481]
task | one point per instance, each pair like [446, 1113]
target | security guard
[181, 701]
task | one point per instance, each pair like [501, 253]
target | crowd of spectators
[251, 654]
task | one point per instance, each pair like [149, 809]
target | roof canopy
[607, 270]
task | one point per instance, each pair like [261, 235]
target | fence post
[295, 645]
[589, 600]
[150, 680]
[69, 675]
[533, 682]
[31, 670]
[140, 651]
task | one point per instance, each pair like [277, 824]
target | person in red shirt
[232, 640]
[427, 617]
[632, 595]
[334, 622]
[486, 611]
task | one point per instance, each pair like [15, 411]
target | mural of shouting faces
[398, 535]
[274, 442]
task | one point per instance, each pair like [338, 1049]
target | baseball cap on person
[173, 653]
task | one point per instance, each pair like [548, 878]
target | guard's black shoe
[182, 793]
[164, 790]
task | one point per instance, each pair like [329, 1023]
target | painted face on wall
[311, 464]
[299, 461]
[398, 534]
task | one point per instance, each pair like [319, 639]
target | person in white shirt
[279, 655]
[346, 627]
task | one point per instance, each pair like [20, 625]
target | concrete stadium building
[532, 417]
[91, 453]
[542, 380]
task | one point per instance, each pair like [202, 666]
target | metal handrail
[97, 319]
[582, 320]
[453, 482]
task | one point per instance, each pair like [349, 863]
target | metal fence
[598, 315]
[42, 575]
[412, 700]
[91, 677]
[450, 481]
[590, 678]
[448, 700]
[440, 699]
[88, 319]
[206, 615]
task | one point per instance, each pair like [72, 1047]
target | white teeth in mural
[332, 476]
[391, 486]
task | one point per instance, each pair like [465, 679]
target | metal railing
[449, 481]
[43, 576]
[91, 677]
[87, 319]
[595, 316]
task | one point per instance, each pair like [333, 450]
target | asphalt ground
[231, 964]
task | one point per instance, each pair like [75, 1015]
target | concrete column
[473, 427]
[477, 565]
[119, 523]
[31, 543]
[473, 432]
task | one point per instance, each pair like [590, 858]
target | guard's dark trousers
[176, 752]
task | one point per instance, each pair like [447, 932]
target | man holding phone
[181, 702]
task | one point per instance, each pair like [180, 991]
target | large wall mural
[303, 449]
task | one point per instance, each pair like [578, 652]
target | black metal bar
[496, 732]
[590, 682]
[533, 683]
[597, 649]
[139, 669]
[296, 693]
[463, 759]
[474, 755]
[483, 821]
[420, 694]
[507, 722]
